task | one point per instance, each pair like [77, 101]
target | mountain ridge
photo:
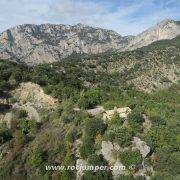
[47, 43]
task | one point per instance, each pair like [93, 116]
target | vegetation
[36, 157]
[130, 158]
[5, 134]
[84, 82]
[93, 127]
[135, 121]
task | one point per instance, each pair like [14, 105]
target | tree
[90, 99]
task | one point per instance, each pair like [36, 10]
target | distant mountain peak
[165, 21]
[166, 29]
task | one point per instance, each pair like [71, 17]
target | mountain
[150, 68]
[167, 29]
[46, 43]
[92, 110]
[34, 44]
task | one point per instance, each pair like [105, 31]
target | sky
[127, 17]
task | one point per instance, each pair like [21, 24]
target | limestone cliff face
[167, 29]
[36, 44]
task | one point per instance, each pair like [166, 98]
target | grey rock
[118, 169]
[123, 113]
[10, 120]
[141, 146]
[46, 43]
[81, 166]
[166, 29]
[108, 151]
[32, 112]
[96, 111]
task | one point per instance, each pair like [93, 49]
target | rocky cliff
[167, 29]
[34, 44]
[46, 43]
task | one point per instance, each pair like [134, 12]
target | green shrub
[71, 135]
[27, 126]
[5, 134]
[135, 121]
[66, 117]
[90, 99]
[168, 161]
[158, 121]
[94, 127]
[100, 175]
[116, 120]
[68, 113]
[160, 137]
[129, 158]
[66, 175]
[81, 117]
[19, 138]
[20, 114]
[86, 148]
[130, 177]
[4, 108]
[97, 160]
[69, 159]
[35, 158]
[121, 135]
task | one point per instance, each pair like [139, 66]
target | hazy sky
[124, 16]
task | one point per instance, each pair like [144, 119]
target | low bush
[129, 158]
[5, 134]
[135, 121]
[90, 99]
[35, 158]
[121, 135]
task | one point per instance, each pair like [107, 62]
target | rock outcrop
[96, 111]
[123, 112]
[118, 170]
[81, 166]
[108, 151]
[141, 146]
[33, 93]
[10, 121]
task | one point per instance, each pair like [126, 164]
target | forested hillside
[145, 80]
